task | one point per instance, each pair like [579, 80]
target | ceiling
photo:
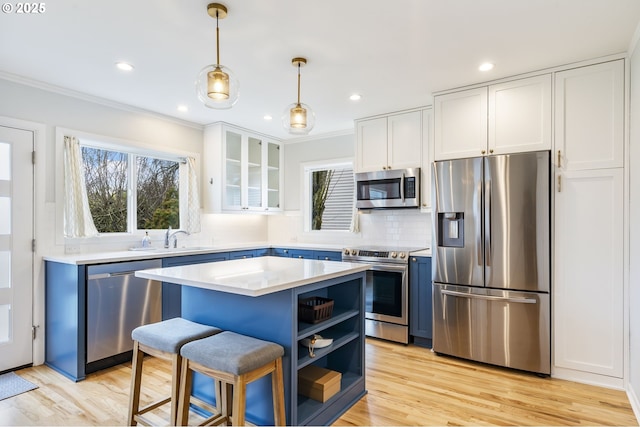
[393, 53]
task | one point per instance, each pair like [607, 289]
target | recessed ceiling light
[267, 117]
[486, 66]
[124, 66]
[355, 97]
[183, 108]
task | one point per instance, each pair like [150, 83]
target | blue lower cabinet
[420, 301]
[172, 293]
[242, 254]
[327, 255]
[282, 252]
[303, 254]
[307, 254]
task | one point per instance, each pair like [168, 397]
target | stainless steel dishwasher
[117, 303]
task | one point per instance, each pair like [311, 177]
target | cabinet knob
[384, 168]
[389, 167]
[326, 258]
[414, 259]
[299, 256]
[491, 151]
[483, 152]
[286, 251]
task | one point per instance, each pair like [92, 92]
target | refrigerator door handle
[489, 297]
[487, 225]
[479, 226]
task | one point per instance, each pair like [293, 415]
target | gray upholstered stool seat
[233, 360]
[163, 340]
[170, 335]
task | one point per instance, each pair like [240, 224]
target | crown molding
[15, 78]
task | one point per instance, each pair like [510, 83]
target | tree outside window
[128, 192]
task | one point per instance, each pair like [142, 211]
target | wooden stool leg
[136, 379]
[239, 401]
[176, 366]
[277, 388]
[186, 379]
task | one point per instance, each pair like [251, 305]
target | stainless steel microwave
[394, 188]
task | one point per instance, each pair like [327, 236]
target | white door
[16, 254]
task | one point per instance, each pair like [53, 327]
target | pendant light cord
[217, 40]
[298, 83]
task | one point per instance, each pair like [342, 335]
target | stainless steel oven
[387, 290]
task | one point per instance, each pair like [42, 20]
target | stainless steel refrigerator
[492, 260]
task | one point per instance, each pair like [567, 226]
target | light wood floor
[407, 385]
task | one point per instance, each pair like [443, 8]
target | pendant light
[217, 86]
[298, 118]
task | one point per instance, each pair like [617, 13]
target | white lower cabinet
[588, 273]
[242, 170]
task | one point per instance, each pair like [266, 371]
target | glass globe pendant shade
[217, 87]
[298, 119]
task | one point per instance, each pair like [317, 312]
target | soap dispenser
[146, 240]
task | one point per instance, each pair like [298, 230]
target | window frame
[130, 147]
[307, 169]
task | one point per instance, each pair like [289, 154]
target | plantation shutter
[339, 204]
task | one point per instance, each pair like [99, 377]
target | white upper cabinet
[503, 118]
[391, 142]
[242, 171]
[427, 159]
[589, 129]
[460, 124]
[520, 115]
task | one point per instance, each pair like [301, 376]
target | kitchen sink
[181, 249]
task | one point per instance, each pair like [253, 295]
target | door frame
[39, 221]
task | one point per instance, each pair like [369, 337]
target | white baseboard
[588, 378]
[635, 402]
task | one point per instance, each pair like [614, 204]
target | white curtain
[191, 218]
[355, 217]
[78, 221]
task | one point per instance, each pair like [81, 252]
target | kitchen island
[259, 297]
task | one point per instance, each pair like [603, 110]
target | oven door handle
[387, 267]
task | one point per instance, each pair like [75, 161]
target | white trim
[588, 378]
[95, 99]
[634, 41]
[40, 138]
[533, 73]
[635, 402]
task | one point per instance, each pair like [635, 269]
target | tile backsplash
[396, 227]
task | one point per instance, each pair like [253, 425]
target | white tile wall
[396, 227]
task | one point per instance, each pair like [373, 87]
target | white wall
[295, 153]
[634, 232]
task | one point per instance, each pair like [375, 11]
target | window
[129, 192]
[329, 203]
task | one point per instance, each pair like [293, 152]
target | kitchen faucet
[168, 235]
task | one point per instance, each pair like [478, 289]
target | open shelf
[308, 408]
[338, 316]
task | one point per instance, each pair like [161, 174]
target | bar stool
[162, 340]
[234, 361]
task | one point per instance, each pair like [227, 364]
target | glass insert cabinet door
[273, 175]
[254, 172]
[252, 175]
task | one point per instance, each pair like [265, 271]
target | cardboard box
[318, 383]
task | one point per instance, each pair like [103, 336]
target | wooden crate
[318, 383]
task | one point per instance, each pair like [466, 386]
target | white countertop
[253, 276]
[154, 253]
